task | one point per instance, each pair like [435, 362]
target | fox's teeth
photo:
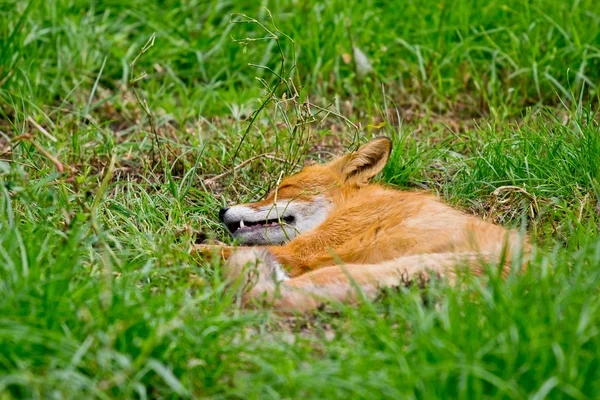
[242, 224]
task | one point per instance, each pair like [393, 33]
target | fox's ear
[366, 162]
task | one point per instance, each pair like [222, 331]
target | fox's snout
[274, 223]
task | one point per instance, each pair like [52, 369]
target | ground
[125, 126]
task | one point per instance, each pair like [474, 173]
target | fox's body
[327, 224]
[373, 224]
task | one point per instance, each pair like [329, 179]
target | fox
[328, 233]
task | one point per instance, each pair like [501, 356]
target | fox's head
[302, 202]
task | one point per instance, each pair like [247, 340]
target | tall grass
[456, 55]
[99, 296]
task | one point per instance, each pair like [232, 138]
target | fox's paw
[255, 264]
[210, 251]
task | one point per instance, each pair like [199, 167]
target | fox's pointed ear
[366, 162]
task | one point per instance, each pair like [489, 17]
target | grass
[493, 107]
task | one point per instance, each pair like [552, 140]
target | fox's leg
[293, 255]
[338, 283]
[222, 251]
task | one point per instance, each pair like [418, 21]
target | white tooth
[242, 224]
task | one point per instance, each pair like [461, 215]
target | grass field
[112, 165]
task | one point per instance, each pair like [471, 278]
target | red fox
[326, 231]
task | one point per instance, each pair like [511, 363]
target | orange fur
[372, 234]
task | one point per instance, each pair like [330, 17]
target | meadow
[126, 125]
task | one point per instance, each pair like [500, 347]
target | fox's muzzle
[274, 223]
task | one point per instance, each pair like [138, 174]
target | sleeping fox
[327, 230]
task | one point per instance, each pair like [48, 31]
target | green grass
[492, 106]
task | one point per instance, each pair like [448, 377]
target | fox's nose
[222, 212]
